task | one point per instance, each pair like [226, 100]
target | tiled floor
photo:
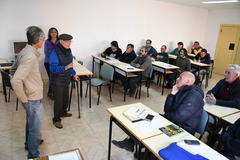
[90, 133]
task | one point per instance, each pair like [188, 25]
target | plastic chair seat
[98, 82]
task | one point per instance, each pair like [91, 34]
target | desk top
[47, 157]
[220, 111]
[232, 118]
[5, 67]
[164, 65]
[80, 69]
[117, 113]
[200, 64]
[159, 142]
[118, 64]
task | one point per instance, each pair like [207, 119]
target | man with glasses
[150, 49]
[28, 86]
[162, 55]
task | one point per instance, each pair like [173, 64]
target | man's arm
[20, 75]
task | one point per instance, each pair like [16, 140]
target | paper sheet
[74, 155]
[150, 126]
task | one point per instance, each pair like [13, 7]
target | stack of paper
[74, 155]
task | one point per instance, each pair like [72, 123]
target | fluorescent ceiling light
[215, 2]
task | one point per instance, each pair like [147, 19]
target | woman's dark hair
[49, 33]
[185, 52]
[131, 45]
[115, 44]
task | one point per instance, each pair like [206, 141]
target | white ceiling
[197, 3]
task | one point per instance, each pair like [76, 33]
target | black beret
[65, 37]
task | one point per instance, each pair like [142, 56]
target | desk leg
[110, 138]
[90, 94]
[70, 98]
[81, 88]
[163, 82]
[78, 99]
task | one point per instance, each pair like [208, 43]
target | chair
[6, 83]
[203, 124]
[106, 73]
[147, 83]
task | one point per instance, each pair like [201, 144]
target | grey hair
[34, 34]
[235, 67]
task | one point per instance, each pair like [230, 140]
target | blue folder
[174, 152]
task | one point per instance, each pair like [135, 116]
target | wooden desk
[232, 118]
[220, 111]
[163, 68]
[129, 127]
[122, 68]
[154, 144]
[83, 73]
[47, 157]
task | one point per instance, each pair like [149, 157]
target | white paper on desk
[74, 155]
[202, 150]
[150, 126]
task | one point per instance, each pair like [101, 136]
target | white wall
[94, 23]
[215, 18]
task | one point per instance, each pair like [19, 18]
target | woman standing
[50, 43]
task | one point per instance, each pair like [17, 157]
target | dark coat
[185, 108]
[232, 98]
[231, 139]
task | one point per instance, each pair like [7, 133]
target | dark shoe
[67, 115]
[41, 141]
[126, 144]
[132, 93]
[58, 125]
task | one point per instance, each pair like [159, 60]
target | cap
[65, 37]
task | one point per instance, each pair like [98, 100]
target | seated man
[195, 49]
[183, 107]
[162, 55]
[183, 63]
[113, 51]
[203, 57]
[227, 91]
[230, 140]
[150, 49]
[176, 50]
[143, 61]
[129, 55]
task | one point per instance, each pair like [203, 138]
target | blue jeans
[34, 109]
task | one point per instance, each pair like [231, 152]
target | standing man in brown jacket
[28, 86]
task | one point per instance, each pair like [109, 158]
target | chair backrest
[203, 123]
[6, 78]
[107, 72]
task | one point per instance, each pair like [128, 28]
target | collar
[35, 50]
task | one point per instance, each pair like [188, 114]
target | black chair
[6, 83]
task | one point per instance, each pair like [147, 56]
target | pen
[137, 120]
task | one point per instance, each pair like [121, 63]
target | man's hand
[210, 99]
[175, 90]
[69, 66]
[25, 101]
[137, 65]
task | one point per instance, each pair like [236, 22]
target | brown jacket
[27, 81]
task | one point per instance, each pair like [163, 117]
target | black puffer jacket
[185, 108]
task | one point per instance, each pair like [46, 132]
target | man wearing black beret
[61, 70]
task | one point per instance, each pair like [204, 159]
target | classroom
[166, 72]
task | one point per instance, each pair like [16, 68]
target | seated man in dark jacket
[127, 57]
[184, 105]
[230, 140]
[227, 91]
[162, 55]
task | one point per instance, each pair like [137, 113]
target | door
[227, 49]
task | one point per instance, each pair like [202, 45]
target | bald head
[185, 79]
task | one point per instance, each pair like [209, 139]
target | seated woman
[113, 51]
